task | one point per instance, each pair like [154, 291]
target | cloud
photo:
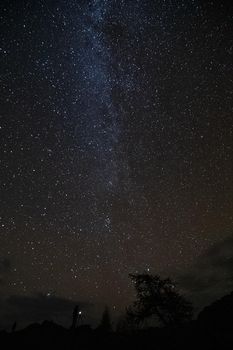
[30, 309]
[212, 276]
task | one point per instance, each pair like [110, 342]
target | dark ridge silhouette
[218, 315]
[212, 330]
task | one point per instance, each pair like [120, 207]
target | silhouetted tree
[158, 297]
[105, 324]
[75, 317]
[13, 328]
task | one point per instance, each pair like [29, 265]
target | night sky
[116, 150]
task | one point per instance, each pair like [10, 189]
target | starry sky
[116, 151]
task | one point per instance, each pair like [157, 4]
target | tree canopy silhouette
[158, 298]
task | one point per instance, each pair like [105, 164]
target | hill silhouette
[213, 329]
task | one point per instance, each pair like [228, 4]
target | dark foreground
[213, 329]
[49, 335]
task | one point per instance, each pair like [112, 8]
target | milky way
[116, 146]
